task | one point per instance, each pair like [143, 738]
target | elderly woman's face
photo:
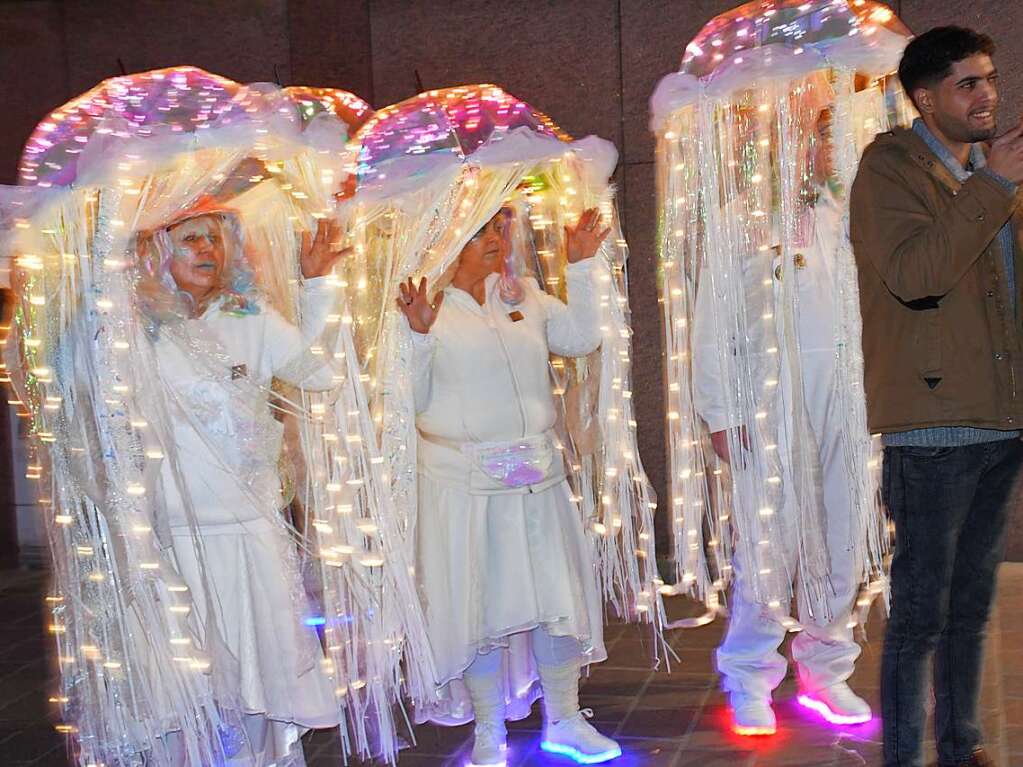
[488, 248]
[197, 265]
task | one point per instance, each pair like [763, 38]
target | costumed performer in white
[500, 545]
[825, 655]
[217, 347]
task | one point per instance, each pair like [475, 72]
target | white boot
[565, 729]
[483, 681]
[838, 704]
[490, 747]
[752, 714]
[577, 738]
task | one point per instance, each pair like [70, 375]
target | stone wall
[589, 64]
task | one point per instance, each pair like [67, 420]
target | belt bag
[518, 463]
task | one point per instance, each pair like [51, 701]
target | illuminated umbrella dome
[454, 121]
[176, 100]
[793, 23]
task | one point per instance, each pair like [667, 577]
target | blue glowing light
[316, 620]
[579, 757]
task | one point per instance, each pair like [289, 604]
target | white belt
[514, 463]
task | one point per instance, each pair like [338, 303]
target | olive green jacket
[941, 346]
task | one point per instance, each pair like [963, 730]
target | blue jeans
[950, 506]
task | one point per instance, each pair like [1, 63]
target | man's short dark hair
[928, 59]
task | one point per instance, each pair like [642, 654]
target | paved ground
[662, 720]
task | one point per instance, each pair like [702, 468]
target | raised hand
[418, 310]
[719, 441]
[583, 239]
[320, 253]
[1006, 155]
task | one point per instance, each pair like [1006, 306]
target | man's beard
[983, 135]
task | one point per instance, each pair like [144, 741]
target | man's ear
[923, 99]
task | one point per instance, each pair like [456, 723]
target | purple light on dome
[456, 121]
[164, 96]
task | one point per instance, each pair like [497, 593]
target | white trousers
[748, 658]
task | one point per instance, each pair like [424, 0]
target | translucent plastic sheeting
[146, 673]
[432, 171]
[176, 100]
[759, 132]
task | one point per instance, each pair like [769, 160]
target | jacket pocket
[927, 349]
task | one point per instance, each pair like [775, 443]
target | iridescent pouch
[514, 464]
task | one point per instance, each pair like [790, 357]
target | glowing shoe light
[578, 756]
[821, 708]
[747, 732]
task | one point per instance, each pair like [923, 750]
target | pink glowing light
[825, 711]
[455, 121]
[175, 100]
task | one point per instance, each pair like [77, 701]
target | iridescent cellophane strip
[133, 667]
[735, 131]
[432, 170]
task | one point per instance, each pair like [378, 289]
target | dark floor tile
[434, 740]
[692, 757]
[32, 743]
[631, 653]
[604, 680]
[672, 721]
[681, 679]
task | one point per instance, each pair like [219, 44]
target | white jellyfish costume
[184, 632]
[432, 171]
[761, 310]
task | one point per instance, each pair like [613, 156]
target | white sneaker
[838, 704]
[752, 715]
[490, 745]
[578, 739]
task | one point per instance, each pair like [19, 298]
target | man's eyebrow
[974, 78]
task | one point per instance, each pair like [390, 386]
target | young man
[935, 227]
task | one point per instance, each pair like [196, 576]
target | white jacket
[482, 375]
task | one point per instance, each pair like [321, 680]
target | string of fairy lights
[415, 181]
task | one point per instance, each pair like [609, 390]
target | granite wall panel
[561, 57]
[240, 39]
[330, 45]
[33, 74]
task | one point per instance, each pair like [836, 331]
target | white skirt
[493, 566]
[250, 567]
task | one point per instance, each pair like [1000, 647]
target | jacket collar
[977, 158]
[465, 300]
[916, 148]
